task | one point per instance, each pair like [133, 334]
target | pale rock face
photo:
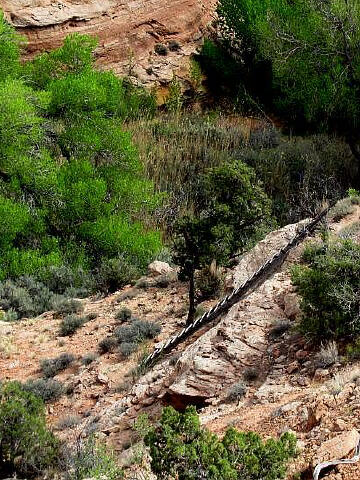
[128, 31]
[338, 447]
[217, 359]
[157, 268]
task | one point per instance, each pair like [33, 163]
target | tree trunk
[191, 313]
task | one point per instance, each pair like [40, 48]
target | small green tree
[181, 448]
[26, 445]
[231, 212]
[330, 289]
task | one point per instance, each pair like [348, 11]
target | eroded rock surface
[128, 31]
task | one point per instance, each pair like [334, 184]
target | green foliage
[329, 287]
[123, 314]
[25, 296]
[353, 350]
[75, 56]
[137, 331]
[298, 174]
[126, 349]
[115, 273]
[10, 44]
[209, 281]
[232, 209]
[174, 100]
[70, 324]
[48, 389]
[89, 358]
[91, 459]
[73, 195]
[20, 121]
[107, 344]
[67, 306]
[343, 208]
[26, 446]
[52, 366]
[180, 448]
[315, 62]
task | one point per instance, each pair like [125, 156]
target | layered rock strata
[129, 31]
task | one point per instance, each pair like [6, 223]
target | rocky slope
[288, 392]
[128, 31]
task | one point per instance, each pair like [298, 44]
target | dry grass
[328, 355]
[341, 379]
[176, 149]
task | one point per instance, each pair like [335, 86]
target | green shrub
[70, 421]
[88, 358]
[70, 324]
[91, 459]
[52, 366]
[73, 193]
[351, 231]
[47, 389]
[181, 448]
[137, 332]
[67, 306]
[107, 344]
[341, 209]
[161, 49]
[126, 348]
[25, 296]
[26, 446]
[236, 391]
[123, 315]
[60, 279]
[329, 287]
[353, 350]
[10, 315]
[114, 274]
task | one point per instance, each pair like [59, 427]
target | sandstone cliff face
[128, 30]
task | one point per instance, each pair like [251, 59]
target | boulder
[338, 447]
[157, 268]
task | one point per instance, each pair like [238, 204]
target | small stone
[339, 425]
[102, 378]
[276, 353]
[291, 306]
[290, 407]
[321, 374]
[301, 354]
[293, 367]
[303, 381]
[280, 359]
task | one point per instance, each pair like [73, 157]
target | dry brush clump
[328, 355]
[52, 366]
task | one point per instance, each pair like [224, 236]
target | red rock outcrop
[128, 30]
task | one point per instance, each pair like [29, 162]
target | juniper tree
[230, 213]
